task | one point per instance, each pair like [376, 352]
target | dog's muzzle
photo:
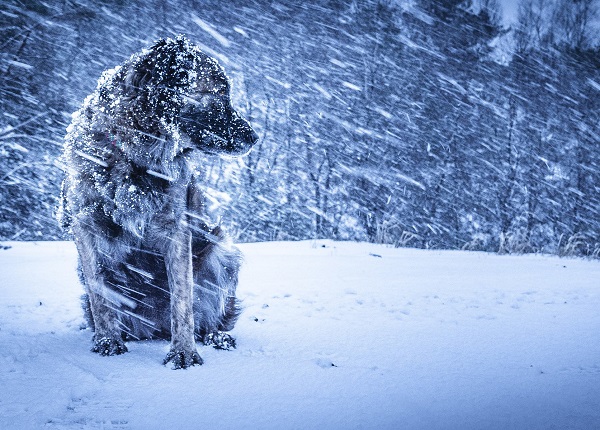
[219, 134]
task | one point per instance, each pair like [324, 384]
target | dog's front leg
[107, 336]
[178, 260]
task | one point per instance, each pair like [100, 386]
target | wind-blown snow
[334, 336]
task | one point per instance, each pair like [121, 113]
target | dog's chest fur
[142, 198]
[134, 197]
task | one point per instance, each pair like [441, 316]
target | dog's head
[174, 89]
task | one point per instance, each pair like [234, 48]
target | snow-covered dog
[150, 265]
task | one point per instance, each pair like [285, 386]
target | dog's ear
[152, 84]
[167, 63]
[148, 84]
[142, 70]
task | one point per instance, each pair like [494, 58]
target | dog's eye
[219, 99]
[200, 101]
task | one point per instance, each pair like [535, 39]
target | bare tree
[573, 22]
[533, 24]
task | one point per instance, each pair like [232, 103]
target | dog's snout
[242, 130]
[220, 129]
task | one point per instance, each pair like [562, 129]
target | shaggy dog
[152, 267]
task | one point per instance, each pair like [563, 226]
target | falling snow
[418, 123]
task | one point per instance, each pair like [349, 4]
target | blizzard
[334, 335]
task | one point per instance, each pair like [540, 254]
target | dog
[151, 263]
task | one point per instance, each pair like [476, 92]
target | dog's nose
[253, 136]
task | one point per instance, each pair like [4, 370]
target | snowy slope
[334, 336]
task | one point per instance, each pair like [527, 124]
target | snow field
[333, 336]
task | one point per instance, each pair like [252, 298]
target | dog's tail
[216, 267]
[233, 310]
[233, 307]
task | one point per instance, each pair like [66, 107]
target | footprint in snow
[324, 363]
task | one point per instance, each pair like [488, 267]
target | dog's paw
[109, 346]
[219, 340]
[183, 359]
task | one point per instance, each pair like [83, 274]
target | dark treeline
[427, 125]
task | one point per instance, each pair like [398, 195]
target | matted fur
[151, 265]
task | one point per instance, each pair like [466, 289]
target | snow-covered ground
[334, 336]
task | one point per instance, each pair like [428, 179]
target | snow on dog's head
[173, 91]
